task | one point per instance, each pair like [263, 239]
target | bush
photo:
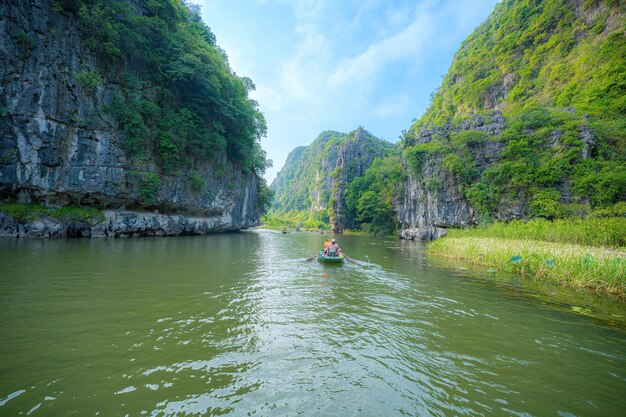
[417, 154]
[148, 191]
[547, 204]
[89, 80]
[196, 182]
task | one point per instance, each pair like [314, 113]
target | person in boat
[284, 230]
[332, 249]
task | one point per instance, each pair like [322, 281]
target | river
[240, 324]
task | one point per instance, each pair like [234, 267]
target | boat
[324, 259]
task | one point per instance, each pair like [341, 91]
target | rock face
[304, 181]
[114, 224]
[59, 145]
[354, 157]
[431, 201]
[560, 152]
[316, 177]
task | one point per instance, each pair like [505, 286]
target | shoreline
[113, 224]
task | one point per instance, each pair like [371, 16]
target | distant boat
[284, 231]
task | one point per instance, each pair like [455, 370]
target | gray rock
[424, 211]
[589, 141]
[116, 224]
[354, 157]
[59, 145]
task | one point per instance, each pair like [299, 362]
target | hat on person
[332, 240]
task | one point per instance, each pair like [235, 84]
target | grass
[576, 253]
[31, 212]
[270, 222]
[610, 232]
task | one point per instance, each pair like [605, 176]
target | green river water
[240, 325]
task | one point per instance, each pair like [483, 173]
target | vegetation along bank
[588, 253]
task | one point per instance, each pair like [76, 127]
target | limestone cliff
[432, 199]
[528, 122]
[61, 145]
[316, 177]
[354, 157]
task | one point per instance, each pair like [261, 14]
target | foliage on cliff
[539, 53]
[556, 70]
[180, 101]
[325, 181]
[305, 170]
[370, 198]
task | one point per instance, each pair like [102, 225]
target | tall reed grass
[598, 268]
[610, 232]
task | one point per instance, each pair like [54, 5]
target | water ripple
[242, 325]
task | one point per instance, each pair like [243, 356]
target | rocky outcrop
[114, 224]
[354, 157]
[426, 213]
[431, 200]
[316, 177]
[60, 145]
[560, 152]
[304, 181]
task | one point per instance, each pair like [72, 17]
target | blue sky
[339, 64]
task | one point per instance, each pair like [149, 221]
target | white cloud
[306, 70]
[331, 64]
[405, 44]
[314, 70]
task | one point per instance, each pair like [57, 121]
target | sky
[340, 64]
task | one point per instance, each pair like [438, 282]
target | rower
[332, 249]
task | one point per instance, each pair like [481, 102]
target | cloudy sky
[339, 64]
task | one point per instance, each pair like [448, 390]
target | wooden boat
[322, 258]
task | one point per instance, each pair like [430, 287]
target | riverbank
[577, 253]
[33, 221]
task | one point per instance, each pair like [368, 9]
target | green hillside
[313, 188]
[306, 169]
[556, 71]
[539, 53]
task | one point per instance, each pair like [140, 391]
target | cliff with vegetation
[314, 186]
[529, 122]
[125, 106]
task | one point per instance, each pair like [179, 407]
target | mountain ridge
[314, 178]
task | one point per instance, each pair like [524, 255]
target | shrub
[30, 212]
[149, 188]
[416, 155]
[89, 80]
[196, 182]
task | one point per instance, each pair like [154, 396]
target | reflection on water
[241, 324]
